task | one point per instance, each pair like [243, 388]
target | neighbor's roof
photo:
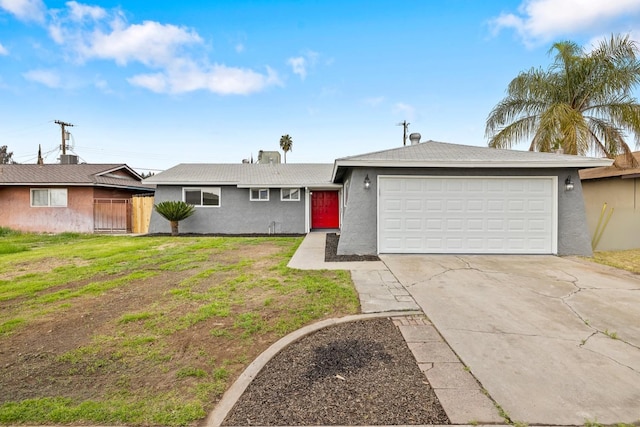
[620, 168]
[247, 175]
[99, 175]
[433, 154]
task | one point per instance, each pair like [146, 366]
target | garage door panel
[466, 215]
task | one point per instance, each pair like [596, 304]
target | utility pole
[405, 125]
[64, 135]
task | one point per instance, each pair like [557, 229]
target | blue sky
[153, 84]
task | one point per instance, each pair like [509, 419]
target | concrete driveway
[553, 340]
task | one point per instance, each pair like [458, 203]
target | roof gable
[435, 154]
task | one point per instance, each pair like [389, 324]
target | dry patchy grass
[145, 331]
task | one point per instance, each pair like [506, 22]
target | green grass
[203, 308]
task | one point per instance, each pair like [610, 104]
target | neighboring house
[429, 197]
[618, 186]
[55, 198]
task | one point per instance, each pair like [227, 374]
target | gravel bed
[357, 373]
[331, 252]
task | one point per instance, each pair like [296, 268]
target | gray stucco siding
[359, 223]
[237, 214]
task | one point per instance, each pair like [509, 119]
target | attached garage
[439, 198]
[471, 215]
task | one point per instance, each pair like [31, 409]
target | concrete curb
[229, 399]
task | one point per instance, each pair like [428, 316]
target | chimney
[415, 138]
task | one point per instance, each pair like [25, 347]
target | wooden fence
[142, 208]
[111, 215]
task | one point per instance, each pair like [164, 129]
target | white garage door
[501, 215]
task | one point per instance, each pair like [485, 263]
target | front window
[290, 194]
[259, 194]
[51, 197]
[207, 196]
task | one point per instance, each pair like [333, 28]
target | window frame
[49, 198]
[213, 190]
[260, 192]
[289, 189]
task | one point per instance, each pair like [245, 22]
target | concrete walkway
[378, 289]
[552, 340]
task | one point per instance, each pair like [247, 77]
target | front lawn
[145, 330]
[627, 260]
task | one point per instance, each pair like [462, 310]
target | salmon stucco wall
[623, 197]
[16, 211]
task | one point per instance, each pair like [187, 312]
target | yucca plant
[174, 212]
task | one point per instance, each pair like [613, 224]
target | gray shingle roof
[104, 175]
[247, 175]
[433, 154]
[442, 154]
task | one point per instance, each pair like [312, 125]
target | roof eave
[298, 185]
[125, 187]
[50, 184]
[479, 164]
[190, 183]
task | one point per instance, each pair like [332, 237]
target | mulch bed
[358, 373]
[331, 252]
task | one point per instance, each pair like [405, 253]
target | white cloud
[79, 12]
[102, 85]
[239, 48]
[150, 43]
[91, 32]
[3, 50]
[301, 64]
[542, 20]
[404, 109]
[112, 38]
[219, 79]
[46, 77]
[374, 101]
[25, 10]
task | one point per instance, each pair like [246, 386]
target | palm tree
[174, 212]
[582, 103]
[286, 143]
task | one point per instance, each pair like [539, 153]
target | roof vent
[415, 138]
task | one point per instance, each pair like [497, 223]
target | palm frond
[583, 102]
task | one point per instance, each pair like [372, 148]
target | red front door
[325, 209]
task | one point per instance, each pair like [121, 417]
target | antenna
[405, 125]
